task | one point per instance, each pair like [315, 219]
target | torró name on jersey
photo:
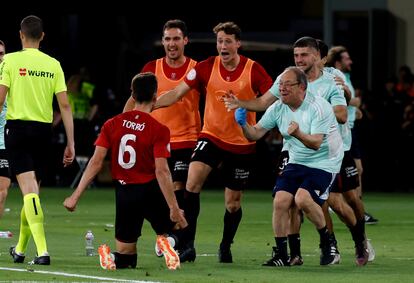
[133, 125]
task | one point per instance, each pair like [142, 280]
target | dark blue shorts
[316, 181]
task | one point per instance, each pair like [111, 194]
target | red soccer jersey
[135, 139]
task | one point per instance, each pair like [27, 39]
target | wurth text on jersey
[34, 73]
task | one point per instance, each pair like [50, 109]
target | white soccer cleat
[106, 259]
[371, 251]
[158, 251]
[172, 260]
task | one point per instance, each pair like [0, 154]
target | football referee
[30, 78]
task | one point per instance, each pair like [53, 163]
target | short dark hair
[176, 24]
[32, 27]
[228, 28]
[144, 87]
[306, 41]
[300, 75]
[323, 48]
[335, 55]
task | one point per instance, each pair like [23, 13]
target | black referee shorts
[28, 145]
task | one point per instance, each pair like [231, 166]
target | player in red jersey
[139, 147]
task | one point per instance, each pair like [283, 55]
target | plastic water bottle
[6, 234]
[89, 237]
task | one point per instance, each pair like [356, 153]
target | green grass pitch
[392, 239]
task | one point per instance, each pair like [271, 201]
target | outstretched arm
[92, 169]
[172, 96]
[252, 133]
[257, 104]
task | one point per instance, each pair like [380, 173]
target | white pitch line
[206, 254]
[77, 275]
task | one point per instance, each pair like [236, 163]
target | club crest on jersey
[191, 75]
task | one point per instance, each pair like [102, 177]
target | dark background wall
[116, 43]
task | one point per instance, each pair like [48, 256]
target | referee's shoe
[17, 258]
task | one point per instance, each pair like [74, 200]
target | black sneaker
[329, 255]
[277, 259]
[369, 219]
[41, 260]
[187, 254]
[16, 257]
[225, 255]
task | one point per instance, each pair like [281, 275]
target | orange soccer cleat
[172, 260]
[106, 259]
